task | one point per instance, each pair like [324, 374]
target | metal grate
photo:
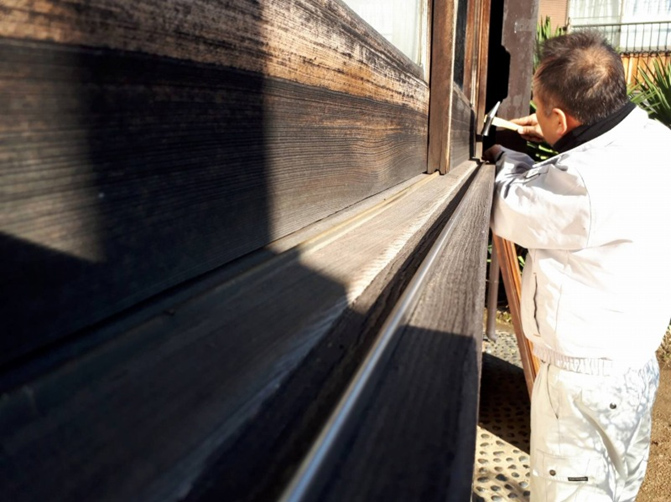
[502, 448]
[633, 37]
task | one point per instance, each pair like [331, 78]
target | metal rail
[633, 37]
[308, 479]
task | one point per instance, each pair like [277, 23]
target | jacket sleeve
[543, 206]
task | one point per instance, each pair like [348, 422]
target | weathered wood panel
[461, 129]
[471, 46]
[138, 418]
[442, 76]
[518, 37]
[512, 280]
[480, 70]
[319, 43]
[416, 433]
[142, 145]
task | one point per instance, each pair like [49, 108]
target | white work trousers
[590, 434]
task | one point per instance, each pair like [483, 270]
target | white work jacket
[596, 220]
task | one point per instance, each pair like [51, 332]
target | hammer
[492, 120]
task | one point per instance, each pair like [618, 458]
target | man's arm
[541, 207]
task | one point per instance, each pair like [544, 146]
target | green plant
[664, 350]
[544, 31]
[653, 91]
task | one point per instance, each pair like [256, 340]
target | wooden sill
[242, 375]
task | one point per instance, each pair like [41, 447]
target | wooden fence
[634, 62]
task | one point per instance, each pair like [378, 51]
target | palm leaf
[653, 91]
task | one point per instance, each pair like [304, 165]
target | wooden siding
[399, 450]
[634, 63]
[209, 212]
[462, 128]
[146, 144]
[235, 379]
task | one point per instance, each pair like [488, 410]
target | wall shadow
[412, 438]
[133, 183]
[169, 184]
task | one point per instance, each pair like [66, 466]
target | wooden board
[462, 128]
[442, 76]
[142, 416]
[318, 43]
[416, 435]
[510, 271]
[480, 71]
[518, 37]
[145, 145]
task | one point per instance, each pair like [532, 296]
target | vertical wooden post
[510, 271]
[442, 81]
[481, 76]
[470, 51]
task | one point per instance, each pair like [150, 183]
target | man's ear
[559, 122]
[563, 122]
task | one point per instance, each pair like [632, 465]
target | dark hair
[581, 74]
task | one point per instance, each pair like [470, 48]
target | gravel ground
[657, 484]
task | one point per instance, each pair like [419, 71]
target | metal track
[311, 474]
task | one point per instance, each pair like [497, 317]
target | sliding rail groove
[310, 476]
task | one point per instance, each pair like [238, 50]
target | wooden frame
[472, 43]
[442, 83]
[211, 214]
[450, 126]
[510, 271]
[480, 89]
[194, 135]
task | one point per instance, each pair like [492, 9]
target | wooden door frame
[442, 74]
[441, 84]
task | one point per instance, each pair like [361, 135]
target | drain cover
[502, 447]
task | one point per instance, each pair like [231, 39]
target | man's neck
[583, 133]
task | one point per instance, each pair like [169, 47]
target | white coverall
[596, 301]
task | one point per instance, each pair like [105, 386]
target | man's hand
[492, 153]
[530, 129]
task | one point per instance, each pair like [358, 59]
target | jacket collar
[584, 133]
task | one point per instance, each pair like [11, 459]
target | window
[402, 22]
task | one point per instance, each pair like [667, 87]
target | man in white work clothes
[596, 288]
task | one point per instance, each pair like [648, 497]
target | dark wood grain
[278, 440]
[461, 129]
[442, 74]
[155, 159]
[319, 43]
[480, 87]
[139, 417]
[415, 439]
[142, 146]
